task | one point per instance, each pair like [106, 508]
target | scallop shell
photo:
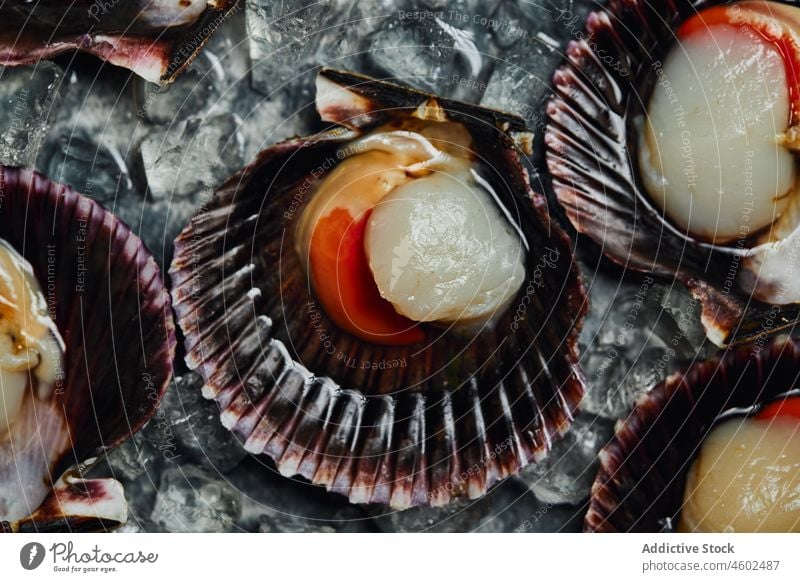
[381, 424]
[106, 295]
[158, 56]
[642, 476]
[600, 90]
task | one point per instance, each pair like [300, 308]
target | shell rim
[692, 383]
[577, 295]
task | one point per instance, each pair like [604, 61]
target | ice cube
[509, 24]
[191, 157]
[629, 341]
[132, 458]
[676, 300]
[223, 63]
[528, 53]
[191, 499]
[344, 34]
[131, 527]
[263, 122]
[95, 169]
[346, 520]
[566, 475]
[427, 50]
[161, 221]
[283, 34]
[277, 523]
[93, 144]
[191, 93]
[195, 423]
[141, 496]
[29, 100]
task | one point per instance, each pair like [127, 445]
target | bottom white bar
[400, 557]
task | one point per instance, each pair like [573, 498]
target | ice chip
[565, 476]
[29, 100]
[191, 157]
[283, 34]
[191, 499]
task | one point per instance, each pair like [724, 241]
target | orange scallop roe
[350, 296]
[783, 408]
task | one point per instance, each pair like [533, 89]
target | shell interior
[642, 476]
[594, 117]
[105, 293]
[404, 425]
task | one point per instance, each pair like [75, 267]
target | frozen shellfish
[671, 141]
[87, 341]
[711, 448]
[317, 292]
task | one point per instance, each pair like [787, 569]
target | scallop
[30, 344]
[681, 160]
[76, 290]
[406, 231]
[712, 155]
[440, 251]
[399, 306]
[746, 478]
[713, 448]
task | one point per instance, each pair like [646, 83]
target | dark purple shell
[109, 303]
[642, 476]
[129, 33]
[603, 86]
[416, 426]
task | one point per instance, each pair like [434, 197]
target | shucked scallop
[86, 348]
[31, 349]
[721, 130]
[713, 448]
[440, 251]
[746, 477]
[379, 336]
[404, 230]
[676, 151]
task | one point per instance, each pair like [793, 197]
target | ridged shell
[642, 475]
[604, 84]
[113, 312]
[450, 419]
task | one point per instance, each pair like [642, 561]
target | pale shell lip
[596, 180]
[157, 59]
[355, 101]
[76, 505]
[642, 469]
[119, 278]
[366, 434]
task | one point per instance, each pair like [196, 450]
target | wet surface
[151, 154]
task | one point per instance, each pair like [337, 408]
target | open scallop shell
[380, 424]
[29, 34]
[105, 292]
[642, 475]
[602, 87]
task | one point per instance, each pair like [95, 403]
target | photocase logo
[31, 555]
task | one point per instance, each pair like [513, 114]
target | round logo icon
[31, 555]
